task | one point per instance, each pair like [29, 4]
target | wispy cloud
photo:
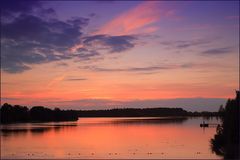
[147, 69]
[218, 51]
[9, 98]
[182, 44]
[56, 80]
[75, 79]
[138, 19]
[152, 69]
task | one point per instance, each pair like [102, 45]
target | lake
[110, 138]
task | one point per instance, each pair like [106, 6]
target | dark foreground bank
[226, 140]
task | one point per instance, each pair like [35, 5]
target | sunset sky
[107, 54]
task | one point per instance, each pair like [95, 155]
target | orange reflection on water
[110, 138]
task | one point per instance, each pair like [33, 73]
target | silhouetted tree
[17, 113]
[221, 111]
[226, 140]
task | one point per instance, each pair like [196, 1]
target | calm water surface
[109, 138]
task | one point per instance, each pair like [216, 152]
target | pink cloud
[140, 19]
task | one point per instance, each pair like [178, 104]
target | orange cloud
[137, 20]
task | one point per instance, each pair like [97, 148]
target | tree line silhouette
[17, 113]
[226, 141]
[142, 112]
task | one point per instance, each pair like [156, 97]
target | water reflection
[40, 128]
[109, 138]
[35, 129]
[162, 120]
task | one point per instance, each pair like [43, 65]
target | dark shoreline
[21, 114]
[144, 112]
